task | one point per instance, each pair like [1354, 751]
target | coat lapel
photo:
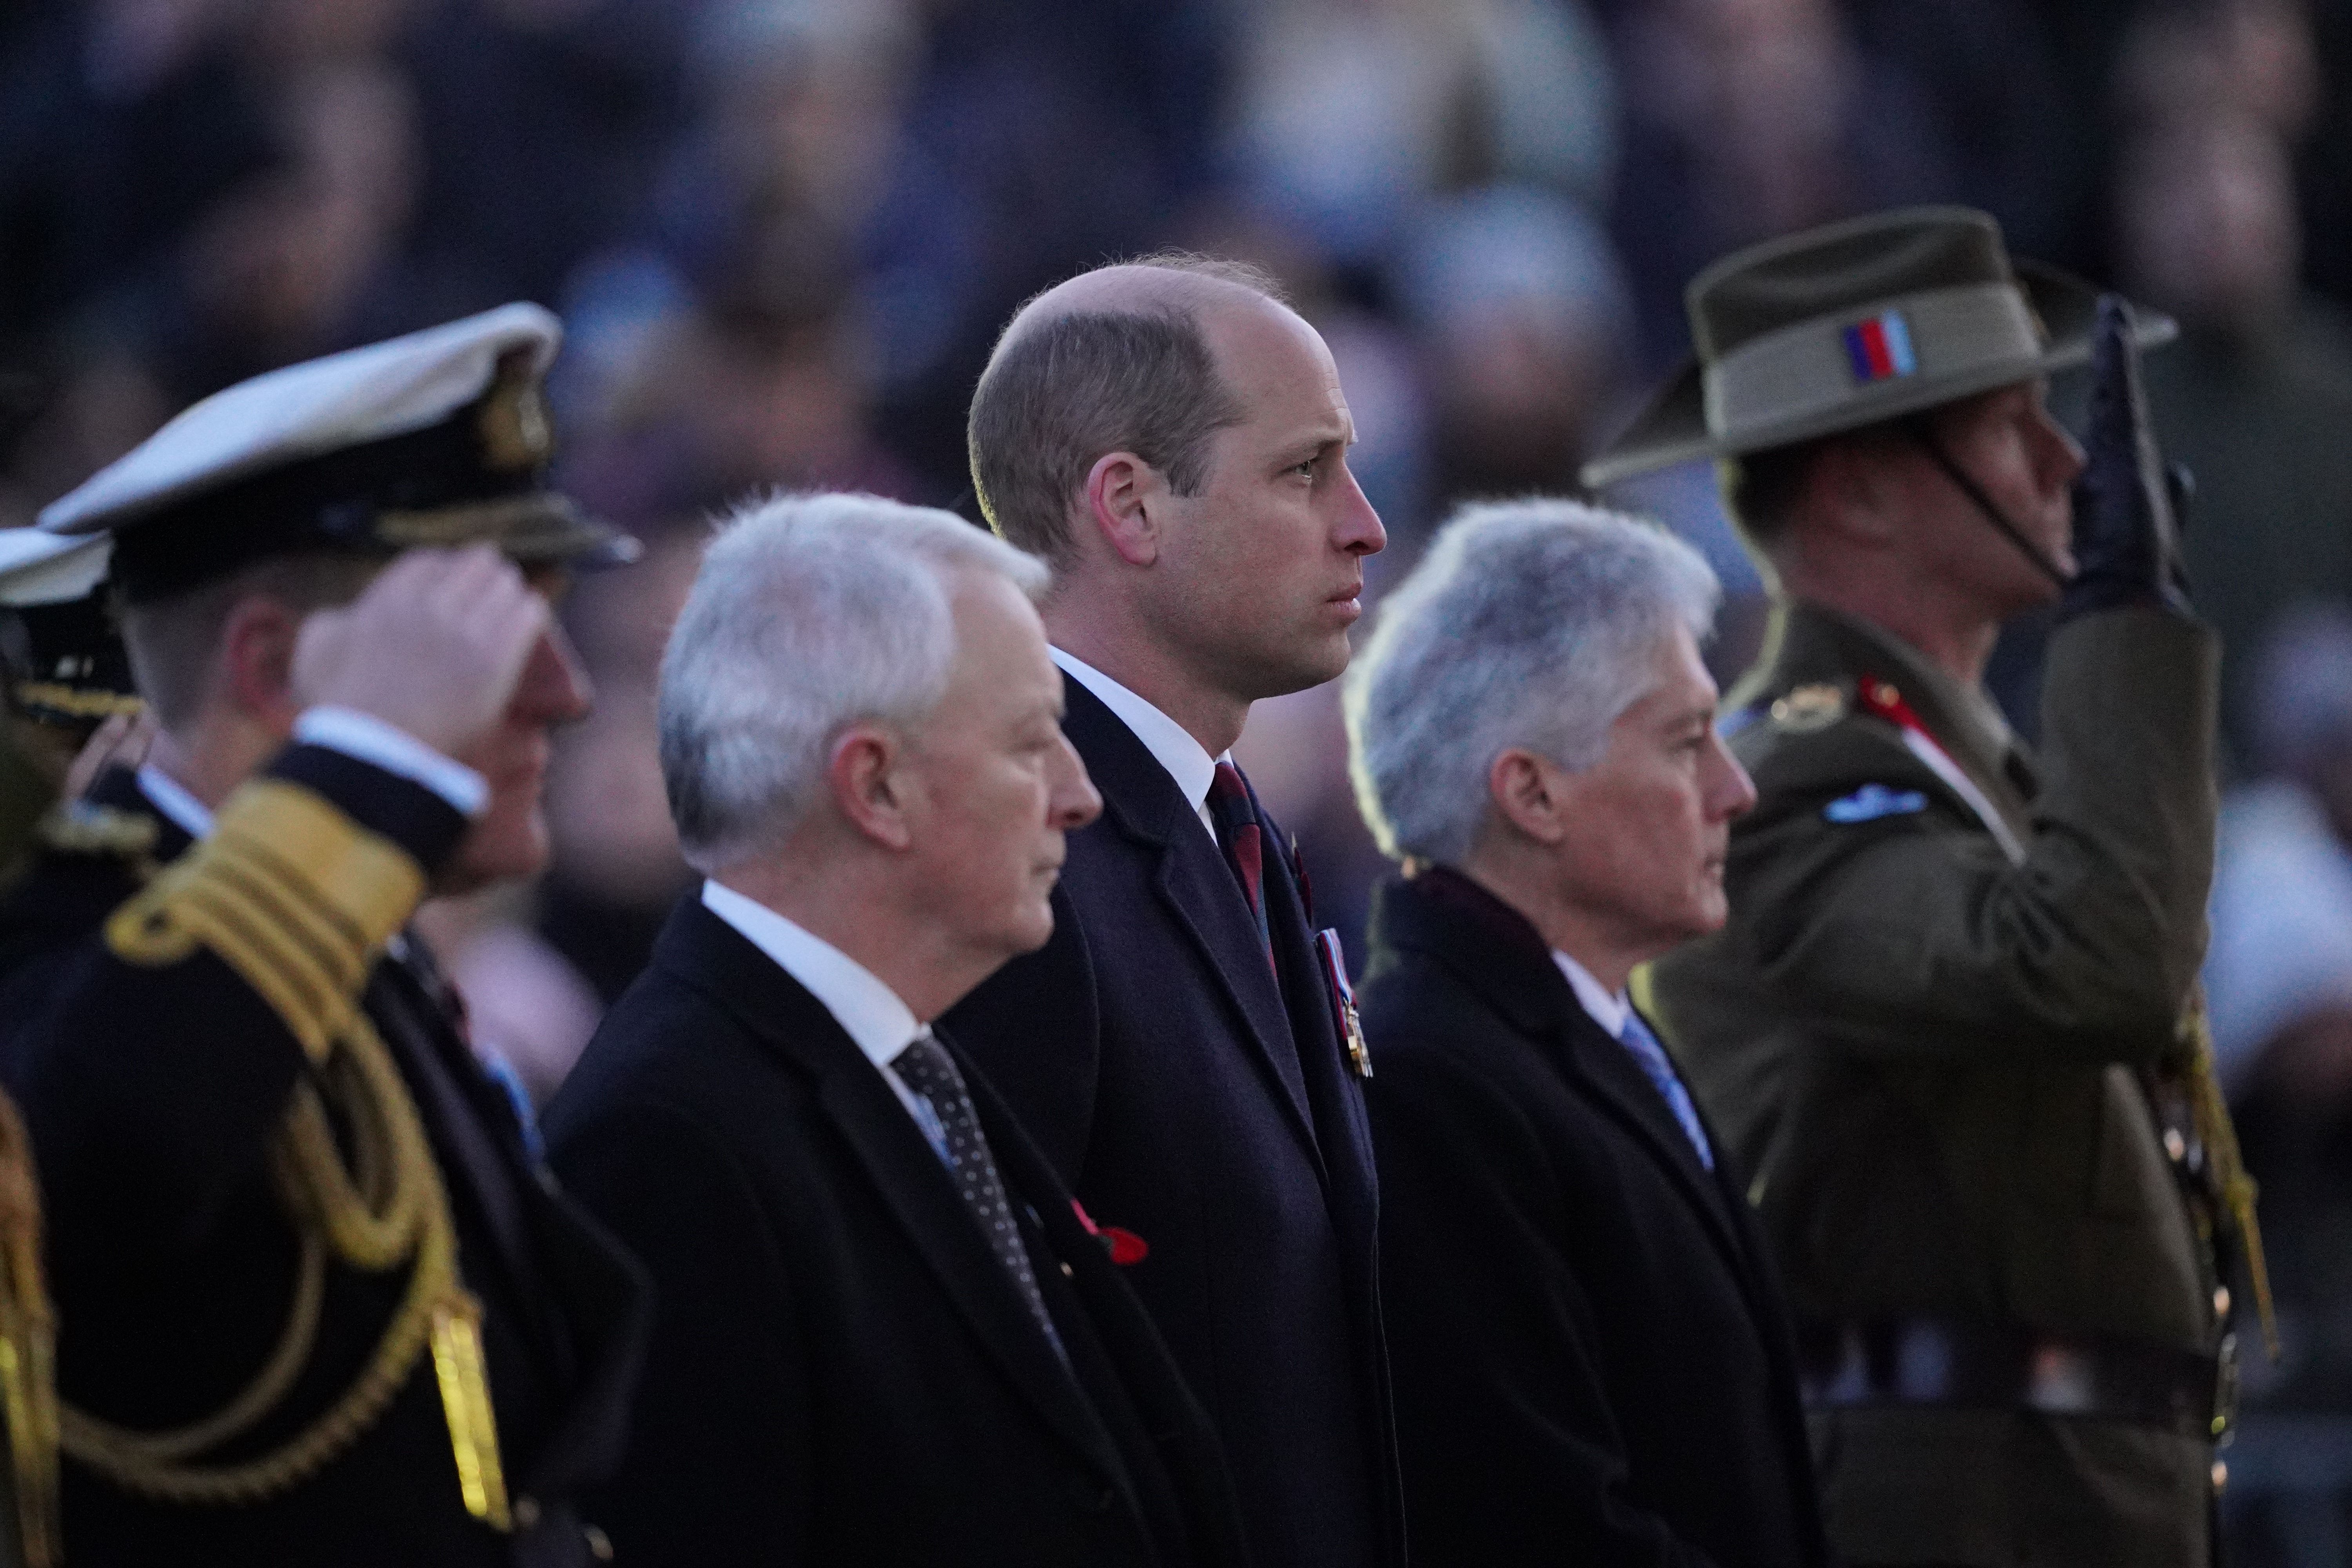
[706, 952]
[1492, 949]
[1141, 803]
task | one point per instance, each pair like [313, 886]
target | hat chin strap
[1920, 431]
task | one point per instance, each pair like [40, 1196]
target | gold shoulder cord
[298, 901]
[2233, 1184]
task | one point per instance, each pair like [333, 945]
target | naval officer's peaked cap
[440, 437]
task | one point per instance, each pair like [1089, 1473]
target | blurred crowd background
[783, 234]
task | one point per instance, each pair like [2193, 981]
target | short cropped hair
[174, 642]
[811, 613]
[1059, 394]
[1530, 624]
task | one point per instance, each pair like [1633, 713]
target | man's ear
[1850, 485]
[869, 784]
[1524, 790]
[1120, 492]
[256, 672]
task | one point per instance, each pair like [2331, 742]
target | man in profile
[317, 1303]
[1592, 1362]
[1174, 438]
[1951, 1027]
[885, 1334]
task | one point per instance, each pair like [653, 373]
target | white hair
[1529, 625]
[811, 613]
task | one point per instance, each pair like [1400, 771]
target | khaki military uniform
[1942, 1035]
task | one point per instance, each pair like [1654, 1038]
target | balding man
[1174, 439]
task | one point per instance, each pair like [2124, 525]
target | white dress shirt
[1608, 1011]
[1187, 761]
[868, 1011]
[353, 734]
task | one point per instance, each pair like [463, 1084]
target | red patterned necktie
[1244, 842]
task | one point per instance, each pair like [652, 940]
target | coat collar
[1492, 950]
[708, 956]
[1142, 804]
[1807, 644]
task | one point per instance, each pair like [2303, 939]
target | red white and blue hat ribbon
[1880, 348]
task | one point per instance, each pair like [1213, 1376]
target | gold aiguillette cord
[458, 1363]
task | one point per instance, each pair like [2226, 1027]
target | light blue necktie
[1646, 1050]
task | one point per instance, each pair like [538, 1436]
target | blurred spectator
[1746, 119]
[2257, 394]
[1348, 113]
[2279, 975]
[1039, 138]
[543, 121]
[613, 868]
[1520, 308]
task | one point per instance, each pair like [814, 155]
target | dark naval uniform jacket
[1592, 1360]
[841, 1370]
[152, 1090]
[1943, 1032]
[1192, 1094]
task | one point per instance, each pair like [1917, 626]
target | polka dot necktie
[926, 1067]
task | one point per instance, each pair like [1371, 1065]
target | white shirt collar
[1186, 760]
[1609, 1012]
[191, 816]
[869, 1011]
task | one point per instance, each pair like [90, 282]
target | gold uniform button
[526, 1512]
[2221, 1476]
[2221, 1301]
[2176, 1147]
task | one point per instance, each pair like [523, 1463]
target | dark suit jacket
[150, 1092]
[842, 1372]
[1188, 1096]
[1592, 1362]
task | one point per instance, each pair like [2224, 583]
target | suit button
[1069, 1272]
[525, 1511]
[600, 1545]
[2176, 1147]
[2221, 1301]
[1092, 1496]
[2221, 1477]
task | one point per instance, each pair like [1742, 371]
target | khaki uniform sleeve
[1914, 935]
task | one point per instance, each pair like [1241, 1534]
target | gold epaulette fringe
[298, 902]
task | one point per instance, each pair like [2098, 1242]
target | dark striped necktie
[1244, 842]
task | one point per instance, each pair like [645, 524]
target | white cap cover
[365, 394]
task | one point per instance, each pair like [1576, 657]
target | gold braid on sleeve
[299, 900]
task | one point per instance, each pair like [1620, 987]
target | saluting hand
[434, 645]
[2126, 528]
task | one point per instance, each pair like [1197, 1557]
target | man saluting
[1949, 1028]
[317, 1304]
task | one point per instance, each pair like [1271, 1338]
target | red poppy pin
[1123, 1245]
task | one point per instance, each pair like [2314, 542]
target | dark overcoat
[1591, 1358]
[1192, 1094]
[151, 1091]
[841, 1370]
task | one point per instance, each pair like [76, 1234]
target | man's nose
[554, 688]
[1358, 531]
[1734, 792]
[1075, 801]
